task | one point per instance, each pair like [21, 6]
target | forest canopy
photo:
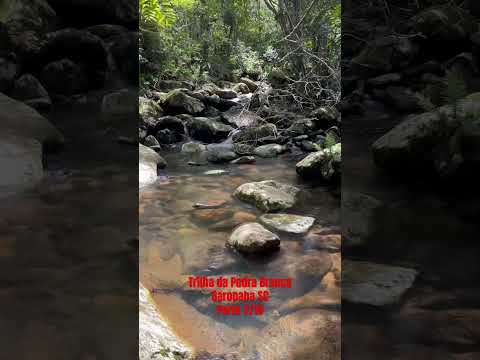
[208, 40]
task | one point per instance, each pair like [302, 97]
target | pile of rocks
[222, 123]
[392, 74]
[43, 61]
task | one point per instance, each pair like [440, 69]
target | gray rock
[193, 147]
[302, 127]
[252, 134]
[374, 284]
[29, 90]
[326, 117]
[384, 54]
[252, 85]
[385, 79]
[238, 117]
[149, 109]
[156, 339]
[220, 155]
[179, 102]
[268, 195]
[323, 165]
[149, 161]
[403, 99]
[270, 150]
[8, 72]
[243, 160]
[120, 104]
[207, 130]
[253, 238]
[226, 94]
[21, 163]
[64, 77]
[360, 217]
[152, 142]
[168, 85]
[444, 24]
[294, 224]
[409, 144]
[21, 120]
[241, 88]
[167, 136]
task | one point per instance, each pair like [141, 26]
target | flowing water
[178, 240]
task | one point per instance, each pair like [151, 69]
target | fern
[156, 14]
[330, 140]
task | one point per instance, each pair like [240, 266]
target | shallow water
[177, 240]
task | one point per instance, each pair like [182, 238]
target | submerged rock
[268, 195]
[253, 238]
[374, 284]
[156, 339]
[243, 160]
[220, 155]
[306, 334]
[295, 224]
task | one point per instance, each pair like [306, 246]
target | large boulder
[239, 117]
[148, 109]
[383, 55]
[207, 130]
[179, 102]
[81, 47]
[29, 90]
[93, 12]
[28, 15]
[252, 134]
[252, 85]
[22, 120]
[268, 195]
[360, 214]
[253, 238]
[64, 77]
[149, 162]
[156, 339]
[8, 72]
[445, 24]
[374, 284]
[120, 104]
[309, 334]
[410, 144]
[21, 163]
[270, 150]
[322, 165]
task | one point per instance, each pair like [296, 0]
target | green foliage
[330, 141]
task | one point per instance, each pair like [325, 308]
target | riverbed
[178, 240]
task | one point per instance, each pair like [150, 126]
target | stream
[178, 240]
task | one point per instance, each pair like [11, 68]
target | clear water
[177, 241]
